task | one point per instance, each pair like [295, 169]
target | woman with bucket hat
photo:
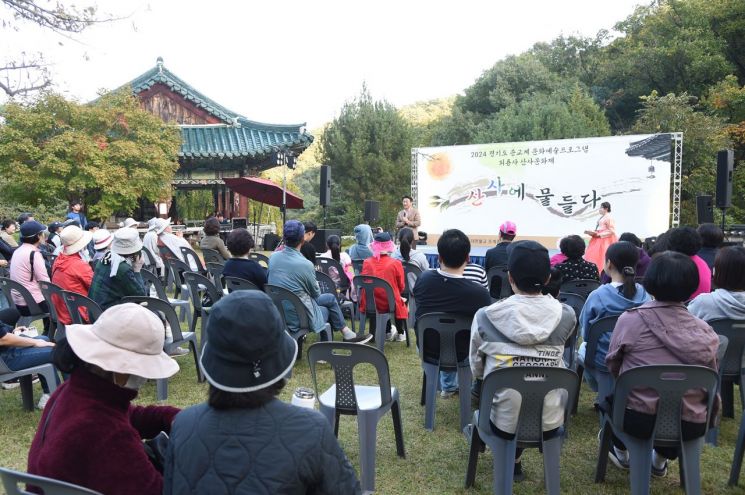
[117, 275]
[90, 434]
[245, 440]
[70, 271]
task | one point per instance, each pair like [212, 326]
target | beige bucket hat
[74, 239]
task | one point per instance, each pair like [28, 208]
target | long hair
[624, 256]
[334, 244]
[405, 239]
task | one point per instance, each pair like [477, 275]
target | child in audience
[662, 331]
[728, 300]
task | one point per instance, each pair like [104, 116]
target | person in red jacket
[391, 270]
[90, 433]
[70, 270]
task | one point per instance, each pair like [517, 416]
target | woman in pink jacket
[662, 331]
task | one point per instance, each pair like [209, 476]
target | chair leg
[640, 463]
[398, 429]
[728, 393]
[734, 473]
[50, 375]
[603, 449]
[330, 414]
[580, 373]
[690, 465]
[367, 424]
[551, 458]
[473, 455]
[161, 389]
[27, 392]
[503, 452]
[432, 376]
[193, 347]
[712, 436]
[203, 332]
[422, 400]
[380, 323]
[464, 394]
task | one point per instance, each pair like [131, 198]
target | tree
[369, 149]
[23, 73]
[703, 136]
[108, 153]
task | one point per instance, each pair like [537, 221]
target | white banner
[548, 188]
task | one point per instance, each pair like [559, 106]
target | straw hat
[126, 338]
[74, 239]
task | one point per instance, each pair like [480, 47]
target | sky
[291, 62]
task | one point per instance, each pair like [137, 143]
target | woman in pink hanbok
[603, 236]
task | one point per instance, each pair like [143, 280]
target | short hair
[711, 235]
[33, 239]
[211, 226]
[605, 205]
[92, 225]
[7, 223]
[572, 246]
[671, 277]
[685, 240]
[406, 196]
[454, 247]
[729, 268]
[553, 287]
[506, 236]
[632, 238]
[24, 217]
[219, 399]
[310, 227]
[240, 242]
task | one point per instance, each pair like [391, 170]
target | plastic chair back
[499, 283]
[670, 382]
[444, 339]
[152, 280]
[259, 258]
[199, 284]
[13, 479]
[237, 283]
[9, 286]
[53, 296]
[75, 302]
[163, 309]
[594, 333]
[192, 259]
[326, 283]
[583, 287]
[734, 330]
[575, 301]
[150, 263]
[411, 274]
[369, 285]
[286, 302]
[532, 383]
[335, 271]
[212, 256]
[357, 266]
[215, 270]
[343, 357]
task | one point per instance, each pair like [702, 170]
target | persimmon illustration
[439, 166]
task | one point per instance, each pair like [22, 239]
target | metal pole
[284, 195]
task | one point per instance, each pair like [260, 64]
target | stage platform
[478, 255]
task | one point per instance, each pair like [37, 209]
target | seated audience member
[291, 450]
[150, 242]
[117, 275]
[406, 250]
[307, 249]
[497, 256]
[644, 259]
[212, 240]
[333, 243]
[522, 330]
[27, 267]
[361, 249]
[475, 273]
[70, 271]
[129, 223]
[174, 242]
[728, 300]
[7, 231]
[240, 243]
[687, 241]
[447, 290]
[19, 352]
[381, 265]
[610, 299]
[553, 287]
[101, 241]
[25, 217]
[712, 238]
[53, 239]
[575, 267]
[662, 331]
[289, 269]
[92, 227]
[91, 434]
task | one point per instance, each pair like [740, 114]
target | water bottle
[304, 397]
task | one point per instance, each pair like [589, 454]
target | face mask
[135, 382]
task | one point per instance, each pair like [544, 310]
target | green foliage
[195, 204]
[424, 116]
[703, 136]
[368, 147]
[108, 153]
[44, 213]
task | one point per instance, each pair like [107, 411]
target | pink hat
[508, 228]
[382, 243]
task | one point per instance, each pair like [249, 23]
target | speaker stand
[724, 210]
[324, 216]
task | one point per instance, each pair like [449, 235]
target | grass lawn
[435, 461]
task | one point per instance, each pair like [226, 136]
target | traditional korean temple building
[216, 143]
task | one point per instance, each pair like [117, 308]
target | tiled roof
[238, 137]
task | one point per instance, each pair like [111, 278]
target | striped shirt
[476, 273]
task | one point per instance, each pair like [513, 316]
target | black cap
[528, 264]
